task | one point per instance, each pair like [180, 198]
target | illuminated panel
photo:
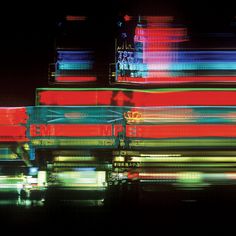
[153, 35]
[73, 55]
[137, 175]
[82, 114]
[82, 178]
[192, 57]
[6, 154]
[119, 97]
[13, 115]
[180, 114]
[70, 97]
[74, 79]
[11, 182]
[74, 66]
[177, 159]
[182, 177]
[185, 178]
[131, 115]
[181, 131]
[180, 142]
[160, 34]
[13, 133]
[74, 158]
[194, 66]
[62, 130]
[69, 142]
[155, 58]
[199, 55]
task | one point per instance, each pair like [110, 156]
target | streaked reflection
[92, 145]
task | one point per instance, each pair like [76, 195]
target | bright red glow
[160, 34]
[13, 133]
[76, 18]
[127, 18]
[138, 98]
[180, 131]
[133, 175]
[75, 79]
[61, 130]
[152, 175]
[13, 116]
[175, 80]
[158, 19]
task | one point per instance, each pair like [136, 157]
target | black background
[28, 31]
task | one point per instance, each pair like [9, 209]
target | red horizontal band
[138, 98]
[180, 131]
[75, 79]
[174, 80]
[13, 133]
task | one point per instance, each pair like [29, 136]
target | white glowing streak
[60, 115]
[57, 112]
[50, 121]
[116, 112]
[115, 120]
[160, 155]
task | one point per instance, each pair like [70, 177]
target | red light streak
[180, 131]
[176, 80]
[75, 79]
[138, 98]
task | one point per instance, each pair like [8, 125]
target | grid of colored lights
[155, 58]
[74, 66]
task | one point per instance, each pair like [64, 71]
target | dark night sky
[28, 31]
